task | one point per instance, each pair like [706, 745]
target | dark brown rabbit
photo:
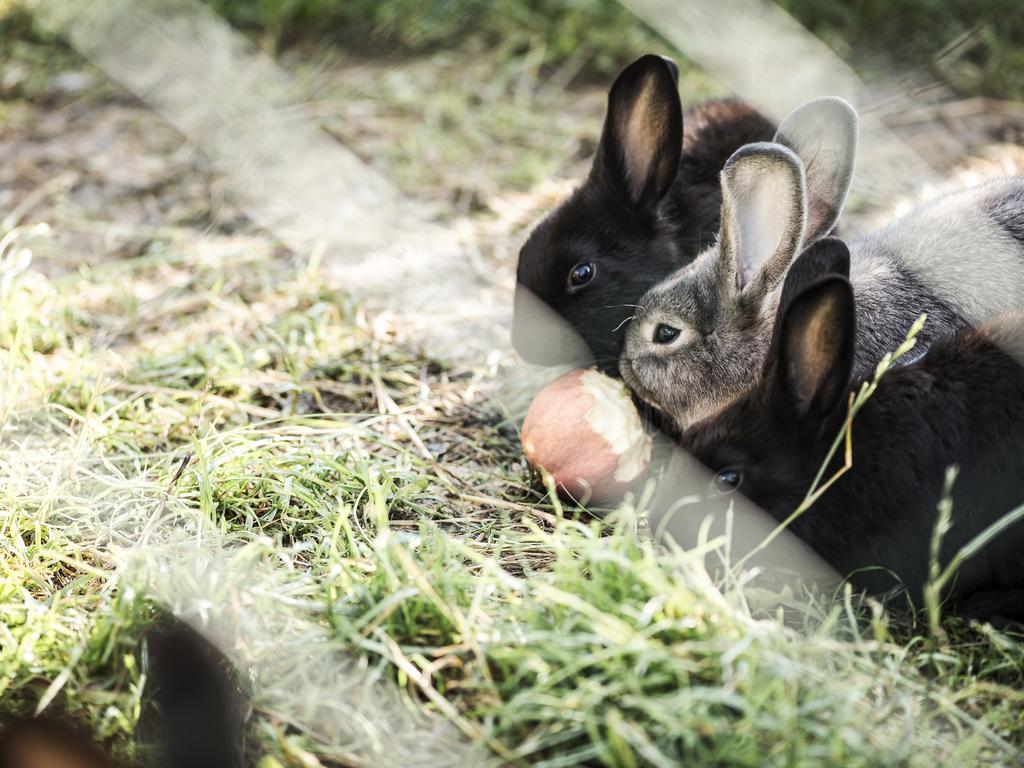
[650, 204]
[962, 404]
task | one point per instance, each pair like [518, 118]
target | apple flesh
[584, 431]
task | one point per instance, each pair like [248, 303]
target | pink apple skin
[583, 430]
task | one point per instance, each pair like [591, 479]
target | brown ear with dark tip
[812, 359]
[642, 140]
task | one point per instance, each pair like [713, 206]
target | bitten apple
[584, 430]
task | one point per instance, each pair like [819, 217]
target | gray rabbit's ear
[763, 216]
[823, 134]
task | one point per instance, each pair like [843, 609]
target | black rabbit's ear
[812, 359]
[828, 256]
[643, 132]
[673, 68]
[199, 716]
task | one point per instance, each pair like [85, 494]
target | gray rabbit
[701, 335]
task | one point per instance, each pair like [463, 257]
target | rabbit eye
[580, 275]
[665, 334]
[727, 481]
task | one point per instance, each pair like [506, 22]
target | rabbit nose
[664, 334]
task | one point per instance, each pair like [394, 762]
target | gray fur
[958, 258]
[823, 134]
[959, 249]
[1005, 211]
[764, 204]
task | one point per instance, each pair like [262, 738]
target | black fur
[194, 713]
[636, 231]
[198, 713]
[963, 403]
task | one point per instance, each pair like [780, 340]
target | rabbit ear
[827, 256]
[643, 132]
[812, 359]
[823, 134]
[673, 68]
[763, 212]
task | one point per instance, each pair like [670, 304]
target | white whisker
[628, 319]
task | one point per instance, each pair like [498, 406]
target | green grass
[590, 38]
[976, 45]
[212, 428]
[591, 35]
[541, 636]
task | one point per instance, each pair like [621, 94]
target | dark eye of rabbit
[665, 334]
[727, 481]
[580, 275]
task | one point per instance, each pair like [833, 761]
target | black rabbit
[962, 403]
[651, 202]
